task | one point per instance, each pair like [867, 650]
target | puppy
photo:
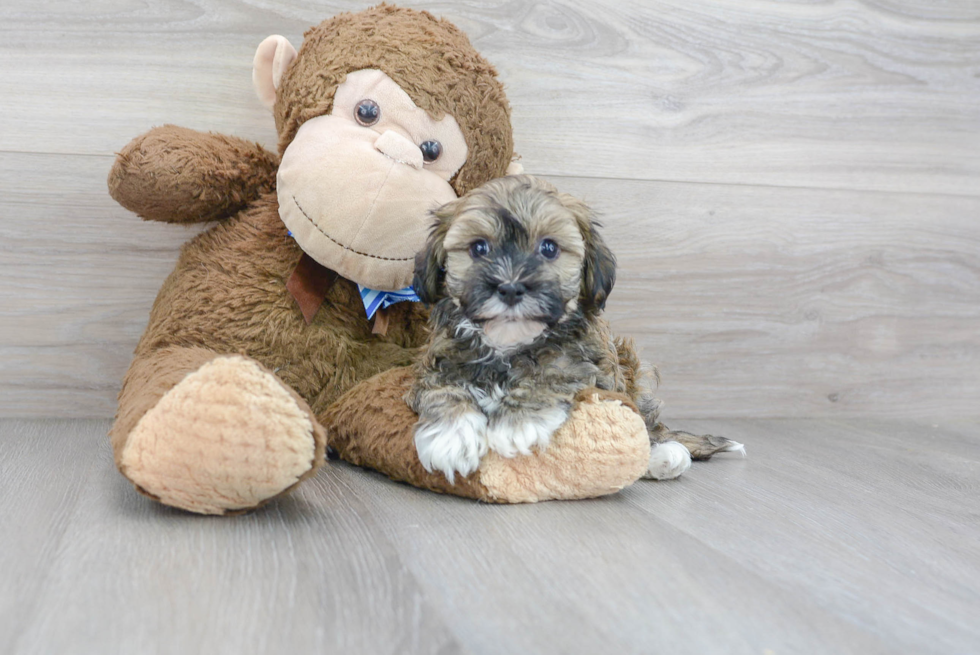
[517, 275]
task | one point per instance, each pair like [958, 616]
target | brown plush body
[228, 294]
[232, 393]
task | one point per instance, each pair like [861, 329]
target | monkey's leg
[178, 175]
[210, 433]
[603, 447]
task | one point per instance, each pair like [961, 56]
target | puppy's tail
[641, 382]
[701, 446]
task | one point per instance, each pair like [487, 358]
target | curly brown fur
[518, 275]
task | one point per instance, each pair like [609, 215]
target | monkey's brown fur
[208, 176]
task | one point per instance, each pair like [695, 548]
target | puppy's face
[516, 257]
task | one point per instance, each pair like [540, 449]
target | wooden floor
[852, 536]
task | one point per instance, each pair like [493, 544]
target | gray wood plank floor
[857, 536]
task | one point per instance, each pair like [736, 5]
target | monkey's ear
[430, 263]
[599, 264]
[272, 57]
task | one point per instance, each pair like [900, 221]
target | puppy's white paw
[509, 437]
[668, 460]
[452, 445]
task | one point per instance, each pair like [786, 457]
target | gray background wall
[792, 187]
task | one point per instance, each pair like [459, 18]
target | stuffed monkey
[262, 346]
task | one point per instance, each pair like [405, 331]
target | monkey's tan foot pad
[227, 438]
[602, 448]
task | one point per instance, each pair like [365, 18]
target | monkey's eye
[431, 150]
[548, 249]
[479, 248]
[367, 112]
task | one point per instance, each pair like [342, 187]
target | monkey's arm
[178, 175]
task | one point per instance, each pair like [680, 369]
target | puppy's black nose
[511, 293]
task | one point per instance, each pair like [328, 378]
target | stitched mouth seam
[348, 248]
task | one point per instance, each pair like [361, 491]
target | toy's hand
[178, 175]
[603, 447]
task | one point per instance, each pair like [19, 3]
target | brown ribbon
[309, 285]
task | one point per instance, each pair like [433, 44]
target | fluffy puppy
[517, 276]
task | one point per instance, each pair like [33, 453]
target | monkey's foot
[229, 437]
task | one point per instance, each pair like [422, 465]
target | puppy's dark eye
[479, 248]
[431, 150]
[367, 112]
[548, 249]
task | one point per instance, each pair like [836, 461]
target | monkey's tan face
[514, 256]
[356, 186]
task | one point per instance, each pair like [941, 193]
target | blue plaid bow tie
[374, 300]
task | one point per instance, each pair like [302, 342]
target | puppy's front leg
[514, 431]
[451, 433]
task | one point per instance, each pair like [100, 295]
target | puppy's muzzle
[511, 293]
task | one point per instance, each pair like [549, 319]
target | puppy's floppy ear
[430, 262]
[599, 265]
[599, 270]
